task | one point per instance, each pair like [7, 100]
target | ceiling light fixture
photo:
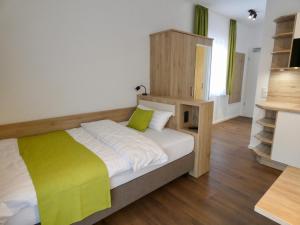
[252, 14]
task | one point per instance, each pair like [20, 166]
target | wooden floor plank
[226, 195]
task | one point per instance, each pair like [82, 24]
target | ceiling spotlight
[252, 14]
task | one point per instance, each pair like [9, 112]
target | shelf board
[267, 122]
[283, 35]
[189, 131]
[282, 69]
[263, 150]
[284, 51]
[279, 106]
[285, 18]
[265, 137]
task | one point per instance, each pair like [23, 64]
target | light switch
[264, 92]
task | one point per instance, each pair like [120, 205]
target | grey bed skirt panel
[127, 193]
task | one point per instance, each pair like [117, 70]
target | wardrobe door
[202, 71]
[183, 54]
[160, 74]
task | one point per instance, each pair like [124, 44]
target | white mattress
[175, 144]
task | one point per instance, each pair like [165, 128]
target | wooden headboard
[61, 123]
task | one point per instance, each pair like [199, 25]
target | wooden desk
[281, 203]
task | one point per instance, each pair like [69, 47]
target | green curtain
[201, 20]
[231, 56]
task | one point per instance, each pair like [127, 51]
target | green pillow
[140, 119]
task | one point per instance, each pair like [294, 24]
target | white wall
[249, 82]
[251, 72]
[248, 37]
[68, 57]
[274, 9]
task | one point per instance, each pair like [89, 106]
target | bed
[127, 186]
[179, 148]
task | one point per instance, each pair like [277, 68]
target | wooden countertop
[281, 203]
[280, 106]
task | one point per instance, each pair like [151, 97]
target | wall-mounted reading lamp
[139, 87]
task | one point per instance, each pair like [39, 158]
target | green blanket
[71, 182]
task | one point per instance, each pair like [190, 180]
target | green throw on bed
[71, 182]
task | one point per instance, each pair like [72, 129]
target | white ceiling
[237, 9]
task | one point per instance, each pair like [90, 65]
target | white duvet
[16, 188]
[139, 150]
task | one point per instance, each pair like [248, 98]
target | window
[218, 29]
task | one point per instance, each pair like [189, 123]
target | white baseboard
[225, 119]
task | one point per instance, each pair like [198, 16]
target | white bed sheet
[175, 144]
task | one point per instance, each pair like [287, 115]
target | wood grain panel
[172, 62]
[160, 63]
[237, 78]
[61, 123]
[279, 106]
[202, 164]
[284, 87]
[183, 59]
[202, 136]
[201, 55]
[281, 203]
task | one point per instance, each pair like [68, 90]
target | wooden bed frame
[195, 163]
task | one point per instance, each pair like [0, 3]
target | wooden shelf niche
[265, 136]
[283, 42]
[264, 149]
[189, 118]
[267, 122]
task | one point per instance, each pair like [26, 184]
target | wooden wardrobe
[179, 64]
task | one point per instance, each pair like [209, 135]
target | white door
[250, 82]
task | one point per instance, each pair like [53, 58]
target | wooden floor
[226, 195]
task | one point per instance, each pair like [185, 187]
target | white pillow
[159, 118]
